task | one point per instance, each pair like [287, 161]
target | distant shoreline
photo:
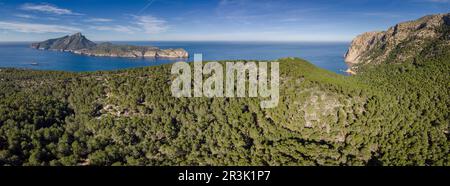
[199, 41]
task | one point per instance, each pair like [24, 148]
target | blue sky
[186, 20]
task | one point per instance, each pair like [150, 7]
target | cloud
[102, 20]
[380, 14]
[431, 1]
[146, 24]
[263, 12]
[48, 8]
[36, 28]
[439, 1]
[116, 28]
[26, 16]
[150, 2]
[151, 25]
[227, 2]
[291, 19]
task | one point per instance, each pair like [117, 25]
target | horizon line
[284, 41]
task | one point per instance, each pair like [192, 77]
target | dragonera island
[79, 44]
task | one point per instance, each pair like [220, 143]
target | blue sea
[323, 54]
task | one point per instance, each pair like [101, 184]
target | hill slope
[129, 117]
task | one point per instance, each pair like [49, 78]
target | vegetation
[394, 114]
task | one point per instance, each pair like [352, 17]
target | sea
[327, 55]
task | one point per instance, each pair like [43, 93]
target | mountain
[66, 43]
[400, 43]
[79, 44]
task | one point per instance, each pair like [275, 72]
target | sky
[207, 20]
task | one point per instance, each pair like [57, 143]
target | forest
[390, 114]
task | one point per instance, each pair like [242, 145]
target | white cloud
[52, 18]
[151, 25]
[116, 28]
[26, 16]
[381, 14]
[48, 8]
[440, 1]
[99, 20]
[292, 19]
[36, 28]
[150, 2]
[143, 24]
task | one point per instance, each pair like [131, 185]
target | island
[79, 44]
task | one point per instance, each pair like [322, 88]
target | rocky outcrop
[111, 50]
[171, 52]
[400, 43]
[78, 44]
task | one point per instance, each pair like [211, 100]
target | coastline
[327, 56]
[350, 72]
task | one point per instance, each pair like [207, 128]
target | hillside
[129, 117]
[401, 43]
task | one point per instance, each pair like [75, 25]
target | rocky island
[400, 43]
[79, 44]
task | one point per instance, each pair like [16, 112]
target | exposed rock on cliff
[78, 44]
[400, 43]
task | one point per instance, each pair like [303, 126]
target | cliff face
[111, 50]
[79, 44]
[400, 43]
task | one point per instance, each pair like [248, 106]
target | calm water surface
[325, 55]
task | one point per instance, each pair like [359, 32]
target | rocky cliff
[400, 43]
[79, 44]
